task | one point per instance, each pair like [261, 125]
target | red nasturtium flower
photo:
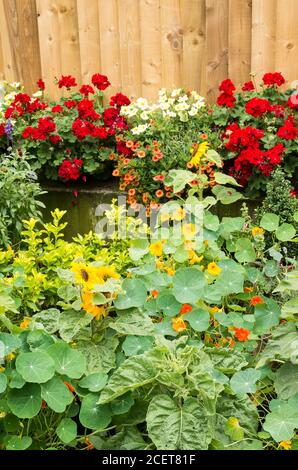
[186, 308]
[241, 334]
[275, 78]
[256, 300]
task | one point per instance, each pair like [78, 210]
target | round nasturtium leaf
[35, 367]
[16, 380]
[167, 303]
[68, 361]
[270, 222]
[122, 404]
[198, 319]
[285, 232]
[188, 285]
[56, 394]
[92, 415]
[3, 383]
[245, 252]
[67, 430]
[134, 294]
[25, 402]
[94, 382]
[244, 381]
[18, 443]
[134, 345]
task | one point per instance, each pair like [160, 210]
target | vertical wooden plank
[1, 61]
[69, 37]
[49, 41]
[8, 15]
[193, 22]
[287, 40]
[240, 20]
[130, 46]
[263, 37]
[150, 47]
[28, 57]
[171, 43]
[109, 43]
[217, 22]
[89, 38]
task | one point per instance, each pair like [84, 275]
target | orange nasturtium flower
[286, 445]
[247, 290]
[215, 309]
[70, 387]
[25, 323]
[178, 324]
[213, 269]
[156, 248]
[186, 308]
[241, 334]
[257, 231]
[154, 293]
[256, 300]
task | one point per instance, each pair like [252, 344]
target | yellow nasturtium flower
[286, 445]
[257, 231]
[213, 269]
[156, 248]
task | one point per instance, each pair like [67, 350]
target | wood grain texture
[109, 43]
[286, 49]
[263, 44]
[239, 58]
[150, 27]
[193, 23]
[9, 70]
[217, 21]
[171, 43]
[89, 38]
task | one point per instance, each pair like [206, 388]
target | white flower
[171, 114]
[200, 102]
[164, 106]
[144, 116]
[140, 129]
[176, 92]
[183, 98]
[181, 106]
[142, 103]
[193, 111]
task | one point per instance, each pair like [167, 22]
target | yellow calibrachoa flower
[25, 323]
[189, 230]
[179, 214]
[90, 307]
[213, 269]
[178, 324]
[287, 445]
[257, 231]
[199, 153]
[156, 248]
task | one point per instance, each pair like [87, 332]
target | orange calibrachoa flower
[256, 300]
[257, 231]
[186, 308]
[129, 144]
[213, 269]
[156, 248]
[154, 293]
[116, 172]
[141, 154]
[241, 334]
[159, 193]
[178, 324]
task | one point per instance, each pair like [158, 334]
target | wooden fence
[143, 45]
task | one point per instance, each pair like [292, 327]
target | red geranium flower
[119, 100]
[288, 131]
[226, 99]
[227, 86]
[57, 109]
[274, 78]
[67, 81]
[2, 130]
[70, 169]
[41, 84]
[70, 104]
[55, 139]
[257, 107]
[109, 116]
[100, 81]
[248, 86]
[80, 129]
[86, 90]
[100, 132]
[293, 101]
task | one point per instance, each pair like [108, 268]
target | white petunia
[140, 129]
[142, 103]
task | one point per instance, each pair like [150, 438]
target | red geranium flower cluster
[275, 78]
[2, 130]
[248, 86]
[46, 126]
[119, 100]
[288, 131]
[67, 81]
[257, 107]
[70, 169]
[100, 81]
[226, 98]
[22, 105]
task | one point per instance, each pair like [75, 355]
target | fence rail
[143, 45]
